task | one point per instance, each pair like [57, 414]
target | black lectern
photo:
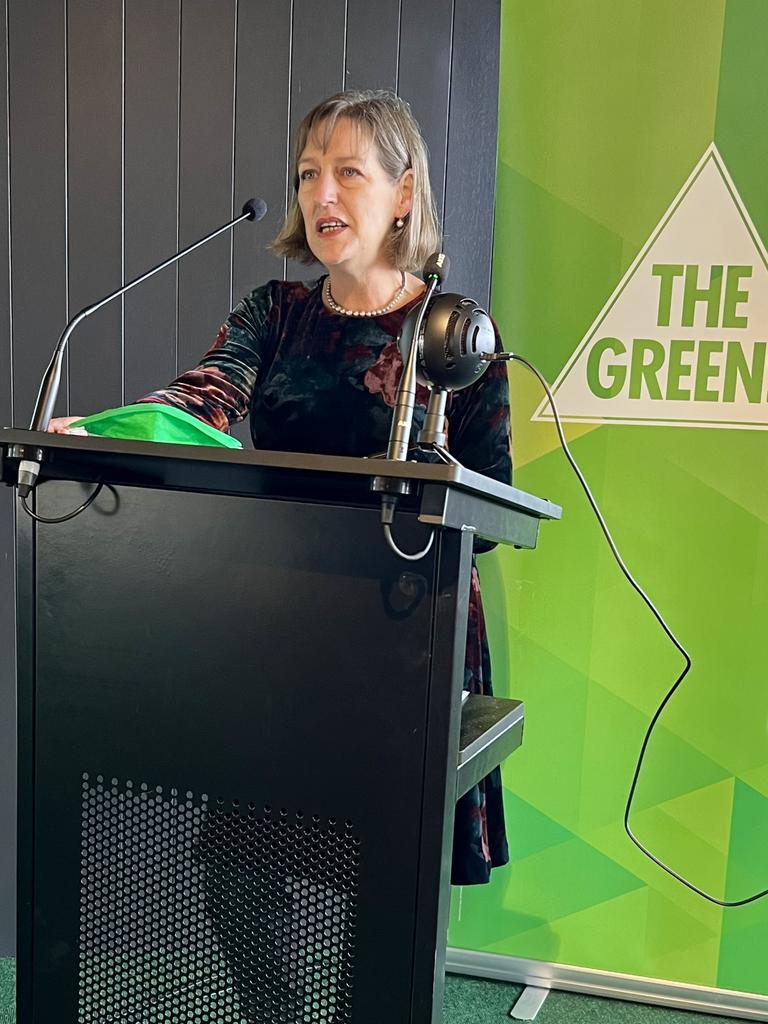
[240, 735]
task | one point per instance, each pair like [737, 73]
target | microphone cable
[388, 509]
[687, 661]
[61, 519]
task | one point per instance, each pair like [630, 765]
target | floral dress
[317, 382]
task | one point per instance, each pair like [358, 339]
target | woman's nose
[326, 191]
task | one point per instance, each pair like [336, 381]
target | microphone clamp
[28, 468]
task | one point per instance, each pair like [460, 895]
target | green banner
[630, 268]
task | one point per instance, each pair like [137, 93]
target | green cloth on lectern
[147, 422]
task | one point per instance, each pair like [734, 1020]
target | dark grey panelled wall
[133, 127]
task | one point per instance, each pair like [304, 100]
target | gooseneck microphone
[29, 466]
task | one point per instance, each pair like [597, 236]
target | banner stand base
[529, 1002]
[606, 984]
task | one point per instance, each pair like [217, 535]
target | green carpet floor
[7, 993]
[470, 1001]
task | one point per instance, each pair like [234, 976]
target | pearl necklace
[363, 312]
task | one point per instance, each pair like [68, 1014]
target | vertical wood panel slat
[38, 250]
[95, 200]
[7, 644]
[261, 137]
[372, 43]
[151, 142]
[36, 52]
[471, 164]
[318, 56]
[207, 54]
[425, 72]
[318, 63]
[262, 82]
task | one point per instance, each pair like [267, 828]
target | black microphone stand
[402, 419]
[391, 489]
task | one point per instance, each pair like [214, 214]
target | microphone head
[455, 336]
[438, 265]
[255, 209]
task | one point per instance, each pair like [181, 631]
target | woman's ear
[405, 199]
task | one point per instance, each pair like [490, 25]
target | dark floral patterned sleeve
[218, 390]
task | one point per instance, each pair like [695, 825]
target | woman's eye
[307, 175]
[349, 172]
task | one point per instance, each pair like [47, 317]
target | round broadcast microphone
[254, 209]
[454, 343]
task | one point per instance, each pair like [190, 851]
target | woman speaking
[315, 366]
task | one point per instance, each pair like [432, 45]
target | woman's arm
[218, 390]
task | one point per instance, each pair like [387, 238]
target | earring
[399, 223]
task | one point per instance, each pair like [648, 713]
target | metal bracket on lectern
[443, 506]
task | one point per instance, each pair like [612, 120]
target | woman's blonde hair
[387, 121]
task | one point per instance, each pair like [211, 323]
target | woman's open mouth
[329, 226]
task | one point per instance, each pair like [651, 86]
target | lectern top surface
[149, 463]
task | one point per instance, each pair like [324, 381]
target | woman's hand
[61, 425]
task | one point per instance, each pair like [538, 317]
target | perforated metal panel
[210, 910]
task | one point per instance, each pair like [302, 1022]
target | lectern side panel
[231, 702]
[25, 717]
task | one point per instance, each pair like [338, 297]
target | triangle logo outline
[635, 411]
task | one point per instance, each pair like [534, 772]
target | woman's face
[348, 201]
